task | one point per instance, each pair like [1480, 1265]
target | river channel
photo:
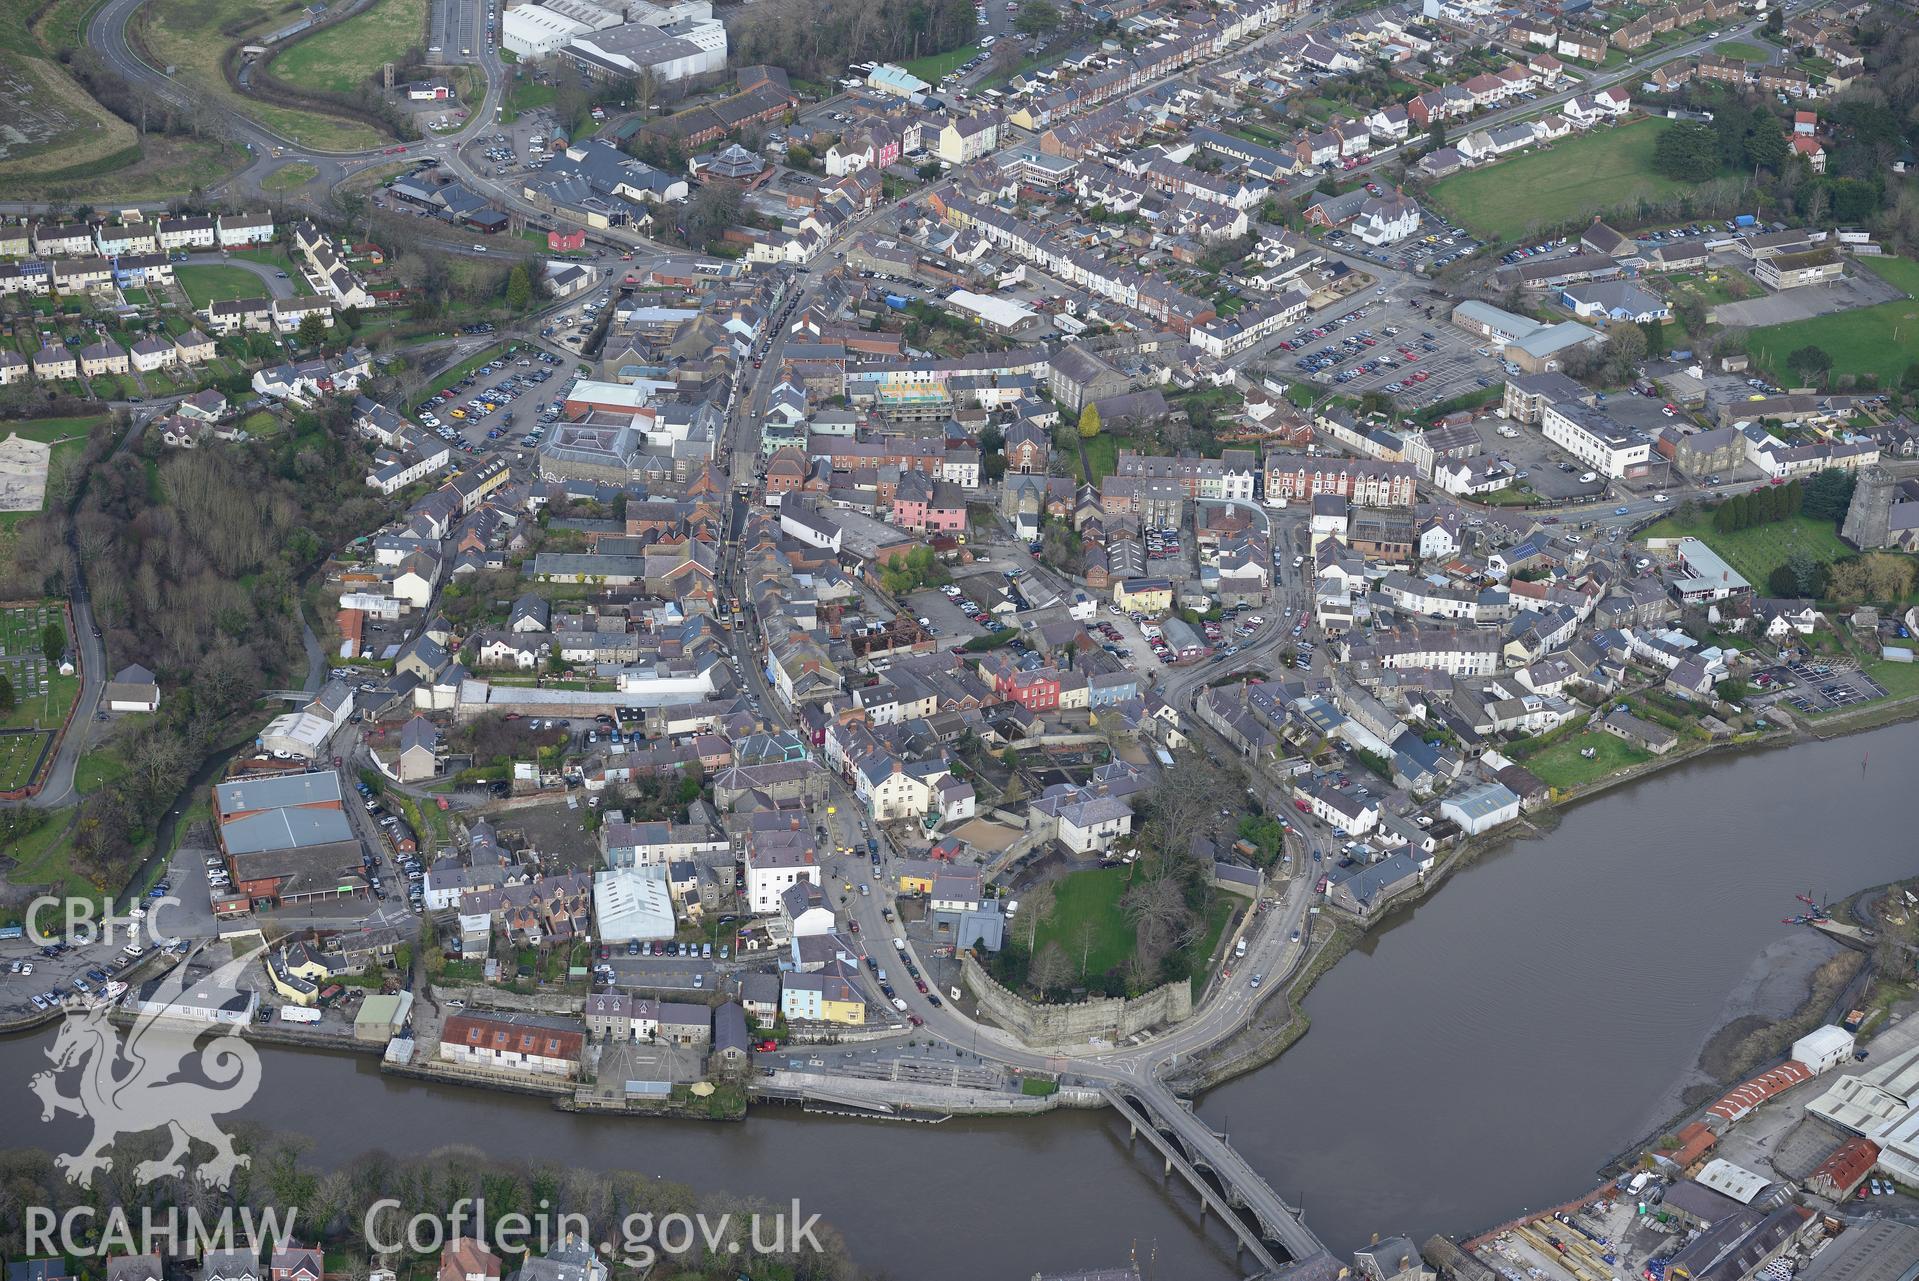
[1484, 1052]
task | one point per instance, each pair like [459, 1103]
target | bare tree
[1084, 938]
[1157, 907]
[1039, 905]
[1050, 970]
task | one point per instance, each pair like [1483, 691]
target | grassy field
[1090, 900]
[287, 177]
[1741, 50]
[1900, 680]
[217, 282]
[1577, 177]
[525, 95]
[930, 69]
[1756, 552]
[192, 35]
[1715, 287]
[1102, 456]
[1561, 766]
[342, 57]
[41, 859]
[95, 770]
[1880, 340]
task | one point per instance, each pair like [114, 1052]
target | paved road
[58, 789]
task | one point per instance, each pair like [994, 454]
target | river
[1484, 1052]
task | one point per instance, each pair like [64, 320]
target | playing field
[1574, 178]
[1880, 340]
[343, 57]
[217, 282]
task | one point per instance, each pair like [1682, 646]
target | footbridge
[1235, 1191]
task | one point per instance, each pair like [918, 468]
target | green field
[95, 770]
[287, 177]
[1576, 178]
[1561, 766]
[1090, 899]
[41, 858]
[217, 282]
[1741, 50]
[1715, 287]
[194, 35]
[930, 69]
[1880, 340]
[1756, 552]
[343, 57]
[1102, 456]
[525, 95]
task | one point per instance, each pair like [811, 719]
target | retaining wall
[1108, 1018]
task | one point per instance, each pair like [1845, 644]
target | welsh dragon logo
[128, 1083]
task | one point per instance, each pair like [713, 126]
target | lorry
[896, 302]
[298, 1014]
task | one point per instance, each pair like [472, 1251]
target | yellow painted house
[298, 972]
[1143, 595]
[829, 996]
[916, 876]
